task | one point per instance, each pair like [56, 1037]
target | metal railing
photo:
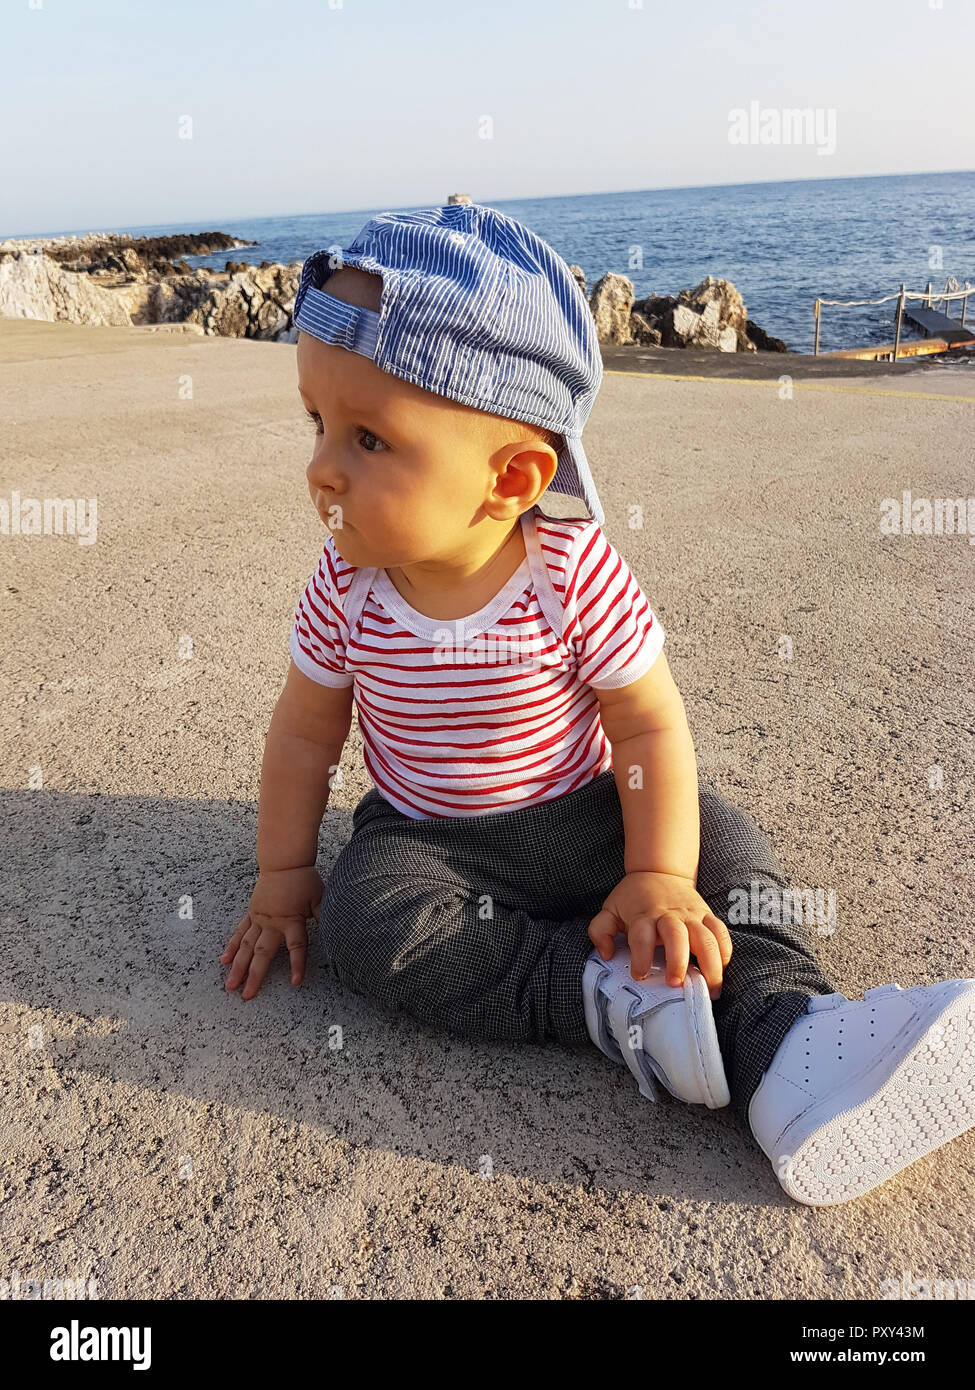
[951, 291]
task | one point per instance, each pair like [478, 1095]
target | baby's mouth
[323, 508]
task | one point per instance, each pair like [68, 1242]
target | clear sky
[302, 106]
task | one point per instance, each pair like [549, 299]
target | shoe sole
[927, 1100]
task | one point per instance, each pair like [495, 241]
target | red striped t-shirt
[494, 711]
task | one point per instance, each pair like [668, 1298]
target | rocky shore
[109, 279]
[712, 315]
[117, 280]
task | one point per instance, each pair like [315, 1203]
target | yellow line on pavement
[800, 386]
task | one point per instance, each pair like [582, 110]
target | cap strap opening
[333, 321]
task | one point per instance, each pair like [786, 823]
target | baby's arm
[656, 775]
[304, 744]
[652, 747]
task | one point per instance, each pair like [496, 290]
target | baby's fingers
[602, 933]
[242, 957]
[230, 950]
[707, 950]
[265, 949]
[296, 940]
[721, 935]
[672, 931]
[642, 938]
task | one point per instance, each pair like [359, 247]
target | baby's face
[409, 471]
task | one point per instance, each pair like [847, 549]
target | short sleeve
[319, 634]
[609, 623]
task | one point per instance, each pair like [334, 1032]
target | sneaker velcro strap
[620, 1011]
[594, 1002]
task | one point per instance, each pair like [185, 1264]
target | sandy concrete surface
[169, 1140]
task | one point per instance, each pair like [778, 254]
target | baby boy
[538, 857]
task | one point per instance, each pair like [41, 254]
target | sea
[783, 245]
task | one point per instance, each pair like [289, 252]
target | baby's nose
[323, 474]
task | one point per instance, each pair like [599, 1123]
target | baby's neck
[462, 597]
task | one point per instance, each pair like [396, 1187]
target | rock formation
[763, 341]
[32, 286]
[250, 302]
[611, 301]
[116, 280]
[110, 255]
[712, 315]
[719, 303]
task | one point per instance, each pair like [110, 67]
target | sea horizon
[782, 243]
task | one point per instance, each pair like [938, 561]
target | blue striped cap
[474, 307]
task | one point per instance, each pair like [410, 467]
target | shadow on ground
[126, 987]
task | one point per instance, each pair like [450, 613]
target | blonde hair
[550, 437]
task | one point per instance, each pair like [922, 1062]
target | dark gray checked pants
[478, 925]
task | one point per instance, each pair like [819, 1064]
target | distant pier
[942, 332]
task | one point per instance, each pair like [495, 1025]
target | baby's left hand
[663, 909]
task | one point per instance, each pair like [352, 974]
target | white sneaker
[859, 1090]
[658, 1030]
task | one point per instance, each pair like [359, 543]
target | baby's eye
[367, 434]
[364, 434]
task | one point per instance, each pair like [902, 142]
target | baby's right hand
[281, 903]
